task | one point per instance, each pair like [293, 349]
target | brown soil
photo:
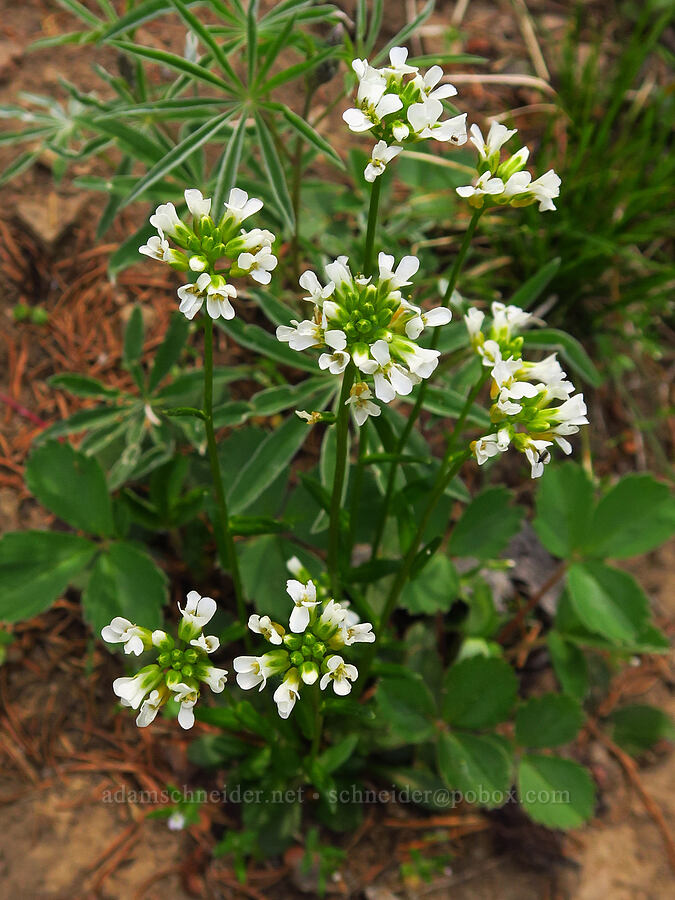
[64, 749]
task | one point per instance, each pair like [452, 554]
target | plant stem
[342, 435]
[372, 224]
[230, 562]
[421, 394]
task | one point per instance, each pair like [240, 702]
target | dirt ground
[71, 822]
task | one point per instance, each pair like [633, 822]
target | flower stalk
[342, 440]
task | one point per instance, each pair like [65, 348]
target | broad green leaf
[527, 293]
[275, 172]
[487, 525]
[638, 727]
[36, 568]
[271, 458]
[72, 486]
[82, 385]
[569, 348]
[338, 754]
[479, 692]
[169, 351]
[548, 721]
[124, 582]
[479, 766]
[569, 665]
[179, 154]
[635, 516]
[274, 400]
[555, 792]
[564, 509]
[434, 590]
[134, 335]
[608, 601]
[407, 707]
[263, 570]
[84, 420]
[229, 164]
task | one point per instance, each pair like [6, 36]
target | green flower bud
[292, 641]
[191, 655]
[297, 659]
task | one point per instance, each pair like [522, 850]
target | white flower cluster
[179, 669]
[207, 246]
[367, 321]
[305, 654]
[523, 392]
[400, 106]
[506, 183]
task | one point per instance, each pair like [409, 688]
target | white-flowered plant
[318, 628]
[368, 321]
[524, 393]
[400, 107]
[215, 246]
[506, 183]
[181, 666]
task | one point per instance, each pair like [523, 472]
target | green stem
[342, 435]
[421, 394]
[358, 481]
[230, 562]
[372, 225]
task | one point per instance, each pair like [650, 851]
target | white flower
[491, 445]
[151, 706]
[498, 135]
[304, 599]
[424, 114]
[567, 417]
[390, 378]
[295, 567]
[214, 677]
[474, 322]
[360, 400]
[176, 821]
[132, 691]
[453, 130]
[427, 84]
[381, 155]
[198, 610]
[538, 456]
[186, 696]
[339, 272]
[269, 630]
[197, 204]
[157, 247]
[208, 643]
[358, 633]
[508, 320]
[433, 318]
[302, 335]
[258, 265]
[192, 296]
[420, 360]
[240, 207]
[545, 189]
[407, 267]
[251, 671]
[287, 693]
[490, 352]
[317, 293]
[399, 66]
[335, 362]
[485, 186]
[218, 299]
[359, 121]
[122, 631]
[166, 220]
[341, 674]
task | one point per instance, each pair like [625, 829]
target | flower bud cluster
[306, 653]
[180, 668]
[215, 250]
[401, 107]
[367, 321]
[523, 392]
[506, 183]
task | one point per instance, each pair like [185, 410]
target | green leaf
[72, 486]
[638, 727]
[548, 721]
[297, 70]
[477, 765]
[555, 792]
[169, 351]
[479, 692]
[311, 135]
[84, 420]
[179, 153]
[143, 12]
[407, 706]
[203, 33]
[487, 525]
[569, 665]
[82, 385]
[607, 601]
[254, 338]
[527, 293]
[402, 36]
[434, 590]
[229, 164]
[179, 63]
[22, 163]
[251, 39]
[81, 11]
[449, 403]
[635, 516]
[36, 568]
[564, 509]
[270, 459]
[263, 570]
[331, 759]
[274, 400]
[127, 253]
[248, 525]
[134, 335]
[125, 582]
[569, 348]
[275, 172]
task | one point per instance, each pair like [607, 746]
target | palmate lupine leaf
[296, 70]
[402, 36]
[142, 13]
[252, 39]
[275, 171]
[305, 130]
[203, 33]
[229, 163]
[173, 61]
